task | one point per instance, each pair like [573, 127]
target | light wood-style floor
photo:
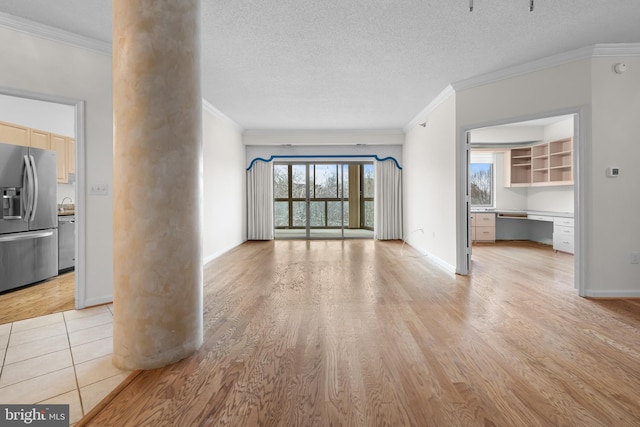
[360, 333]
[51, 296]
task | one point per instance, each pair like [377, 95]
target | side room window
[481, 179]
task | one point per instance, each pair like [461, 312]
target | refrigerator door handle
[25, 236]
[34, 204]
[27, 196]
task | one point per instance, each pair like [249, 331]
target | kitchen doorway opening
[323, 200]
[70, 194]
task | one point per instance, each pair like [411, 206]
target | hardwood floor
[51, 296]
[361, 333]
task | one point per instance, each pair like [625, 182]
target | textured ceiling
[358, 64]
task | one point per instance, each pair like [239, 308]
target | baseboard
[219, 253]
[613, 294]
[97, 301]
[442, 263]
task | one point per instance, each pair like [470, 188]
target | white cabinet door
[563, 237]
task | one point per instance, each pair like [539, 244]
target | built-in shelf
[547, 163]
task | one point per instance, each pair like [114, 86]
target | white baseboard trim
[217, 254]
[97, 301]
[442, 263]
[613, 294]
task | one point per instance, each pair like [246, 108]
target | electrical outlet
[99, 189]
[635, 257]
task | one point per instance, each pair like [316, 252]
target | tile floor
[59, 358]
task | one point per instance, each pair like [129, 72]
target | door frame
[80, 201]
[463, 246]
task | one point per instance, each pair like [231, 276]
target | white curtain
[388, 201]
[260, 201]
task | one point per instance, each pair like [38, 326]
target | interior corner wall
[613, 203]
[224, 224]
[40, 65]
[429, 181]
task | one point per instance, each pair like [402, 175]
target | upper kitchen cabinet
[71, 155]
[59, 145]
[39, 139]
[14, 134]
[64, 146]
[547, 163]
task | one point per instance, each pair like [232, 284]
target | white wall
[429, 182]
[560, 130]
[43, 66]
[224, 200]
[551, 199]
[47, 116]
[508, 197]
[324, 138]
[614, 203]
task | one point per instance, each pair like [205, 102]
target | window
[329, 195]
[481, 179]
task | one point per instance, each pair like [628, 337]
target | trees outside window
[481, 183]
[328, 195]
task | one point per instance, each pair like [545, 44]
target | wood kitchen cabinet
[14, 134]
[39, 139]
[71, 155]
[64, 146]
[59, 145]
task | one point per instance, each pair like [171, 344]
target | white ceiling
[358, 64]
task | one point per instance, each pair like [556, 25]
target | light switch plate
[99, 189]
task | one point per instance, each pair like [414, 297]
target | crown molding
[617, 49]
[208, 107]
[55, 34]
[528, 67]
[260, 132]
[605, 49]
[422, 115]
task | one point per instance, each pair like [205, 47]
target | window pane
[345, 176]
[280, 181]
[299, 214]
[368, 183]
[481, 183]
[282, 214]
[326, 181]
[317, 214]
[298, 180]
[335, 214]
[368, 214]
[345, 207]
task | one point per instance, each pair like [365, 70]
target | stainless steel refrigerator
[28, 220]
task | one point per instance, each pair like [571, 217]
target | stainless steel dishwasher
[66, 242]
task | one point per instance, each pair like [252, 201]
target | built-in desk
[550, 228]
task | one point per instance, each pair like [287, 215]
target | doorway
[323, 200]
[73, 112]
[535, 182]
